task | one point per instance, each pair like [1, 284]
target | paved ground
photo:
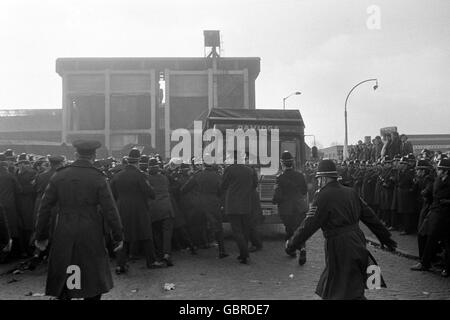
[405, 243]
[270, 275]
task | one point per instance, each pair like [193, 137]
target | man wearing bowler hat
[337, 210]
[78, 249]
[133, 192]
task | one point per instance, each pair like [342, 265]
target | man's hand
[119, 246]
[41, 245]
[8, 247]
[391, 245]
[289, 250]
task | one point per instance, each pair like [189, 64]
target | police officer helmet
[423, 164]
[287, 158]
[444, 164]
[327, 168]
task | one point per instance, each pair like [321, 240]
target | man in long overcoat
[207, 183]
[25, 202]
[337, 210]
[290, 196]
[439, 220]
[133, 193]
[424, 182]
[238, 184]
[161, 212]
[5, 239]
[78, 248]
[407, 198]
[9, 190]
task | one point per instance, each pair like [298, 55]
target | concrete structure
[31, 126]
[433, 142]
[119, 101]
[333, 152]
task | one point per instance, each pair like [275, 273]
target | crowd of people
[409, 194]
[392, 145]
[162, 207]
[143, 206]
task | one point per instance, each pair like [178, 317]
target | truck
[290, 126]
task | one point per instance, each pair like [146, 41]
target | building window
[87, 112]
[130, 112]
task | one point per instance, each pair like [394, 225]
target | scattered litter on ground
[291, 276]
[425, 292]
[169, 286]
[135, 290]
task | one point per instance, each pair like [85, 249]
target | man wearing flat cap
[11, 160]
[43, 178]
[78, 246]
[337, 210]
[40, 183]
[25, 204]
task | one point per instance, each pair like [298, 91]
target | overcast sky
[321, 48]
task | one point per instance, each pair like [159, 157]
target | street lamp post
[345, 151]
[285, 98]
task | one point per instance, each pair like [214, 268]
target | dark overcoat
[425, 187]
[406, 195]
[290, 193]
[238, 184]
[26, 198]
[207, 183]
[80, 190]
[337, 210]
[132, 192]
[161, 206]
[387, 189]
[4, 230]
[9, 190]
[369, 185]
[439, 216]
[40, 184]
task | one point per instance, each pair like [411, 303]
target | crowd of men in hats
[394, 144]
[409, 194]
[65, 210]
[50, 207]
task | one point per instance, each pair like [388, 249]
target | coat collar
[82, 163]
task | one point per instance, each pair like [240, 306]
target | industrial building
[135, 101]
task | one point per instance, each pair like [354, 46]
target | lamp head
[375, 87]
